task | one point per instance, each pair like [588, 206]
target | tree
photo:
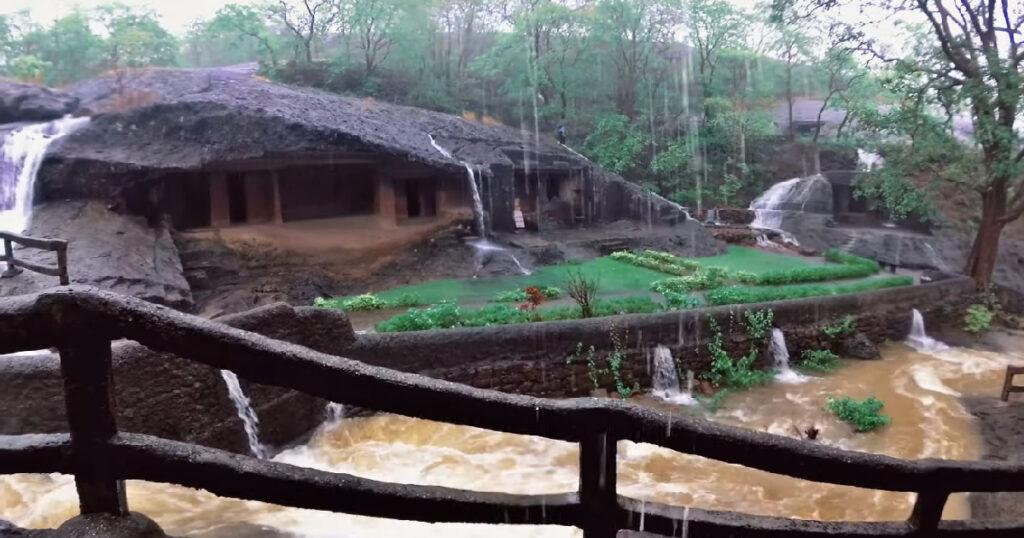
[70, 48]
[236, 33]
[616, 144]
[309, 21]
[373, 22]
[135, 38]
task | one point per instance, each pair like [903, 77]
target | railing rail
[82, 322]
[15, 265]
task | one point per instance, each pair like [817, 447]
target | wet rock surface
[858, 346]
[29, 103]
[134, 525]
[106, 250]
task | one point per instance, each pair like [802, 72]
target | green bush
[978, 319]
[847, 266]
[732, 373]
[499, 314]
[660, 264]
[368, 302]
[818, 360]
[703, 279]
[843, 327]
[680, 301]
[864, 415]
[551, 292]
[514, 296]
[745, 295]
[445, 315]
[626, 305]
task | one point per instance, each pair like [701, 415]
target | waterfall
[919, 339]
[665, 380]
[486, 248]
[478, 203]
[21, 153]
[785, 197]
[785, 373]
[335, 412]
[250, 421]
[868, 161]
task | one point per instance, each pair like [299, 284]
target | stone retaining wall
[532, 358]
[163, 395]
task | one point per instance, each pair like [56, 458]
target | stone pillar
[275, 181]
[259, 194]
[387, 207]
[502, 197]
[220, 203]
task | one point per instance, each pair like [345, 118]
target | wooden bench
[1008, 385]
[15, 266]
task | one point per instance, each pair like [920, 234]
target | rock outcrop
[107, 250]
[28, 103]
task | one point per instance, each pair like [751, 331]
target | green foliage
[889, 189]
[441, 316]
[745, 295]
[616, 144]
[847, 266]
[600, 369]
[551, 292]
[680, 301]
[841, 328]
[732, 373]
[759, 323]
[514, 296]
[978, 319]
[369, 301]
[864, 415]
[818, 360]
[364, 302]
[658, 261]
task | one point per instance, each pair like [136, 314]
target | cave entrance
[238, 210]
[416, 198]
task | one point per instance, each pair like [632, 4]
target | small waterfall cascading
[771, 208]
[868, 161]
[485, 248]
[780, 353]
[478, 203]
[21, 153]
[335, 412]
[919, 339]
[246, 413]
[665, 379]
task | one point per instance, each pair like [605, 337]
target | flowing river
[921, 393]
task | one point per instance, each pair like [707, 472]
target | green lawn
[614, 277]
[754, 261]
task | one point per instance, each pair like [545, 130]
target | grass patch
[818, 360]
[369, 301]
[752, 260]
[842, 266]
[864, 415]
[746, 295]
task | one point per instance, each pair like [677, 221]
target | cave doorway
[238, 210]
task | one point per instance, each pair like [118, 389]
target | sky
[176, 15]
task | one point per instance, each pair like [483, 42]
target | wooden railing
[82, 322]
[1008, 386]
[14, 265]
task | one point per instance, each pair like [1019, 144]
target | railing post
[598, 479]
[928, 512]
[62, 264]
[85, 363]
[11, 270]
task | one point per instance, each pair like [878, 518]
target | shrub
[583, 291]
[680, 301]
[746, 295]
[864, 415]
[843, 327]
[729, 373]
[514, 296]
[368, 302]
[759, 324]
[847, 266]
[703, 279]
[445, 315]
[405, 301]
[364, 302]
[662, 262]
[978, 319]
[626, 305]
[818, 360]
[551, 292]
[498, 314]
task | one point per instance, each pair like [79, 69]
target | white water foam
[21, 154]
[780, 353]
[478, 204]
[665, 379]
[250, 422]
[919, 339]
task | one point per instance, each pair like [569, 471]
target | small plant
[732, 373]
[534, 296]
[444, 315]
[680, 301]
[841, 328]
[583, 291]
[864, 415]
[364, 302]
[818, 360]
[551, 292]
[615, 359]
[514, 296]
[759, 323]
[978, 319]
[594, 372]
[612, 365]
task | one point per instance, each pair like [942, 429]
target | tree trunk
[982, 260]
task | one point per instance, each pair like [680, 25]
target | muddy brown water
[921, 393]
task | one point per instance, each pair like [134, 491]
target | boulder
[28, 103]
[858, 346]
[107, 250]
[732, 215]
[134, 525]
